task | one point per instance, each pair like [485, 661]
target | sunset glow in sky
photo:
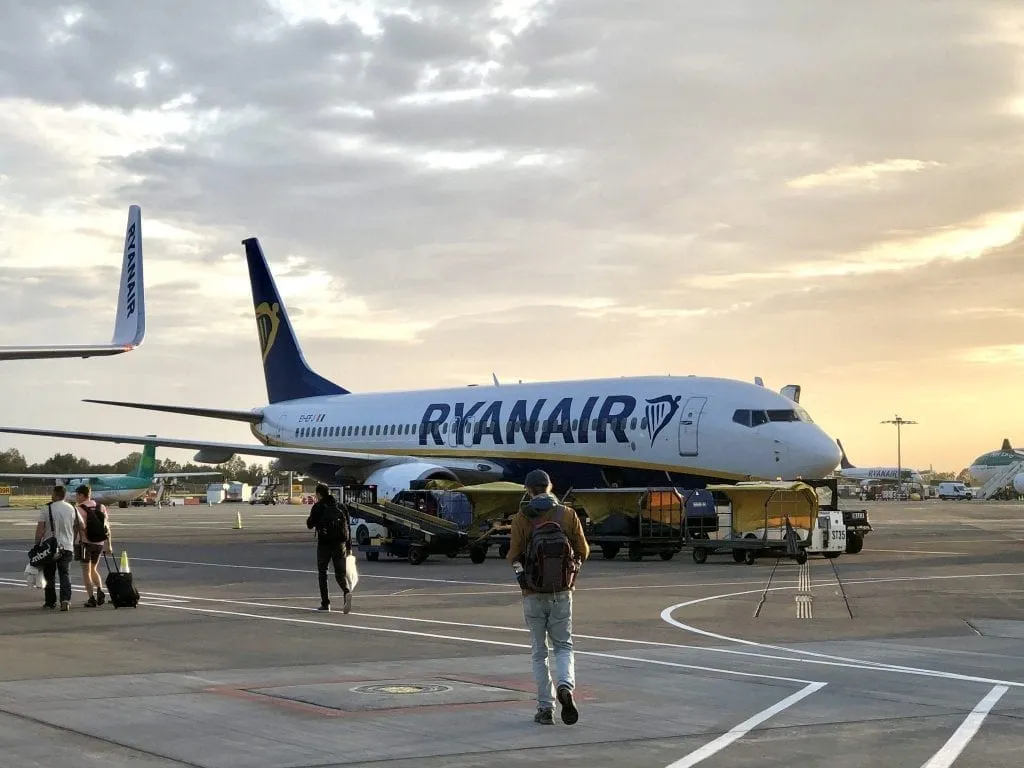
[825, 194]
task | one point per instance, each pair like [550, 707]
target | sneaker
[100, 597]
[65, 605]
[324, 607]
[90, 603]
[544, 717]
[49, 606]
[569, 712]
[348, 603]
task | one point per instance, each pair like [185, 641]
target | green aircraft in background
[112, 489]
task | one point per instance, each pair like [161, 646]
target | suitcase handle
[117, 569]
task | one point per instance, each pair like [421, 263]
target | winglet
[130, 321]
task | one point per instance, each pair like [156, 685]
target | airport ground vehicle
[856, 520]
[954, 491]
[646, 521]
[425, 521]
[771, 519]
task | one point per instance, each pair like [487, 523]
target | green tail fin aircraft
[111, 489]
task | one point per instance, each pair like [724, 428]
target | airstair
[999, 481]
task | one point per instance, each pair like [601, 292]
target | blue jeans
[550, 615]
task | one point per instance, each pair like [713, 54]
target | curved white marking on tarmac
[962, 736]
[741, 730]
[814, 657]
[477, 640]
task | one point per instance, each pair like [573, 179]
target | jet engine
[390, 480]
[1018, 483]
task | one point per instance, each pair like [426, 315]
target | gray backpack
[550, 563]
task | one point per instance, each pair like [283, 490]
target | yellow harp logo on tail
[267, 321]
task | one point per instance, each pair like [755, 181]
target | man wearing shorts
[95, 539]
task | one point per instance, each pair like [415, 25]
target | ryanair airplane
[685, 431]
[130, 319]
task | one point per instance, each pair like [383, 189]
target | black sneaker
[324, 607]
[544, 717]
[569, 712]
[100, 597]
[49, 606]
[90, 603]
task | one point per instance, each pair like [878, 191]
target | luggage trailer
[772, 519]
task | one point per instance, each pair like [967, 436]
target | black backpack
[333, 527]
[96, 523]
[550, 563]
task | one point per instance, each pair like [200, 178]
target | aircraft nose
[819, 455]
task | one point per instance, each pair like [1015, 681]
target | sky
[823, 194]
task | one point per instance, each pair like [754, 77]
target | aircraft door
[689, 421]
[454, 427]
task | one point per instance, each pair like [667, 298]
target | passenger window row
[387, 430]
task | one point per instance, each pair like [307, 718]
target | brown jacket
[522, 526]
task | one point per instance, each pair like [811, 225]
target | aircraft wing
[217, 453]
[130, 320]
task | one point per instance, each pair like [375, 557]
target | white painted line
[968, 728]
[744, 728]
[917, 552]
[481, 641]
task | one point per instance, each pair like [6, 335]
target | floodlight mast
[899, 421]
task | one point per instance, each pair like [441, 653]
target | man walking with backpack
[547, 550]
[333, 544]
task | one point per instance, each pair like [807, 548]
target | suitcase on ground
[120, 587]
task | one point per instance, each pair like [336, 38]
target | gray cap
[537, 478]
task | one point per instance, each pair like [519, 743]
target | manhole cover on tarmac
[401, 688]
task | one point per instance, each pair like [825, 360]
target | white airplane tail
[130, 321]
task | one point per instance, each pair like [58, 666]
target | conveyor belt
[387, 514]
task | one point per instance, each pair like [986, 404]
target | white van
[954, 491]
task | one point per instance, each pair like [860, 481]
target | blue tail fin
[288, 376]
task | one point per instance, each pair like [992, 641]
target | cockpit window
[753, 418]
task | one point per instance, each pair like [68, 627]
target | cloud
[458, 186]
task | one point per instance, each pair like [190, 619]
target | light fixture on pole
[899, 422]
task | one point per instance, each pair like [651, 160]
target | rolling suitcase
[120, 587]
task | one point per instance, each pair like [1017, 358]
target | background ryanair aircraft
[686, 430]
[130, 319]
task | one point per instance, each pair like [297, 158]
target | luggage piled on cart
[771, 519]
[644, 520]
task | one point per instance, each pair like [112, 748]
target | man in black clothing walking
[333, 543]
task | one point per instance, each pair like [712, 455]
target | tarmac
[917, 659]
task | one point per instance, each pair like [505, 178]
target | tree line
[12, 460]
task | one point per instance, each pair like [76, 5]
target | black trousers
[325, 554]
[50, 571]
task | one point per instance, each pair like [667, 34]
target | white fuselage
[690, 425]
[880, 474]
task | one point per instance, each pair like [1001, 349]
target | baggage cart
[643, 520]
[761, 519]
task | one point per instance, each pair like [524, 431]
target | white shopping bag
[34, 577]
[351, 572]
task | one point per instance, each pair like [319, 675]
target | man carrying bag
[333, 546]
[54, 547]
